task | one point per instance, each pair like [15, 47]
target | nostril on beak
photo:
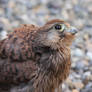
[73, 30]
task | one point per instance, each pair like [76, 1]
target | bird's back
[16, 56]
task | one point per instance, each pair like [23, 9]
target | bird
[36, 58]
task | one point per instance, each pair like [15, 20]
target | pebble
[78, 52]
[78, 85]
[89, 85]
[80, 65]
[89, 55]
[87, 90]
[3, 35]
[75, 90]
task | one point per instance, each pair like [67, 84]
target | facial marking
[53, 36]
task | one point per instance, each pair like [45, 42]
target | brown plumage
[36, 59]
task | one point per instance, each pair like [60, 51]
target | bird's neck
[54, 60]
[54, 68]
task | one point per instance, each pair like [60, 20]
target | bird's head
[55, 34]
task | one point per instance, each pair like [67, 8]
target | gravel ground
[77, 12]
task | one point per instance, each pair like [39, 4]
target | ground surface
[77, 12]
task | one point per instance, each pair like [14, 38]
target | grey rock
[78, 52]
[3, 35]
[89, 54]
[80, 65]
[89, 85]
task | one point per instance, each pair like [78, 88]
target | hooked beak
[73, 30]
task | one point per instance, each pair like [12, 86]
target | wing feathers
[18, 45]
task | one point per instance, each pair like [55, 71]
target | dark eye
[58, 27]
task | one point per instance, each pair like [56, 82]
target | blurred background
[78, 13]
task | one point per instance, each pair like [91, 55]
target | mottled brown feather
[24, 60]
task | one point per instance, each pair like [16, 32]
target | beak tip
[74, 30]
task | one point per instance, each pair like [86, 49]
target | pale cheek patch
[53, 37]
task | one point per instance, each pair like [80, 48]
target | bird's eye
[60, 27]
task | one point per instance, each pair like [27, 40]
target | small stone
[80, 65]
[3, 35]
[6, 24]
[89, 54]
[87, 90]
[75, 90]
[78, 85]
[87, 73]
[78, 52]
[1, 26]
[3, 1]
[90, 8]
[89, 85]
[86, 37]
[87, 76]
